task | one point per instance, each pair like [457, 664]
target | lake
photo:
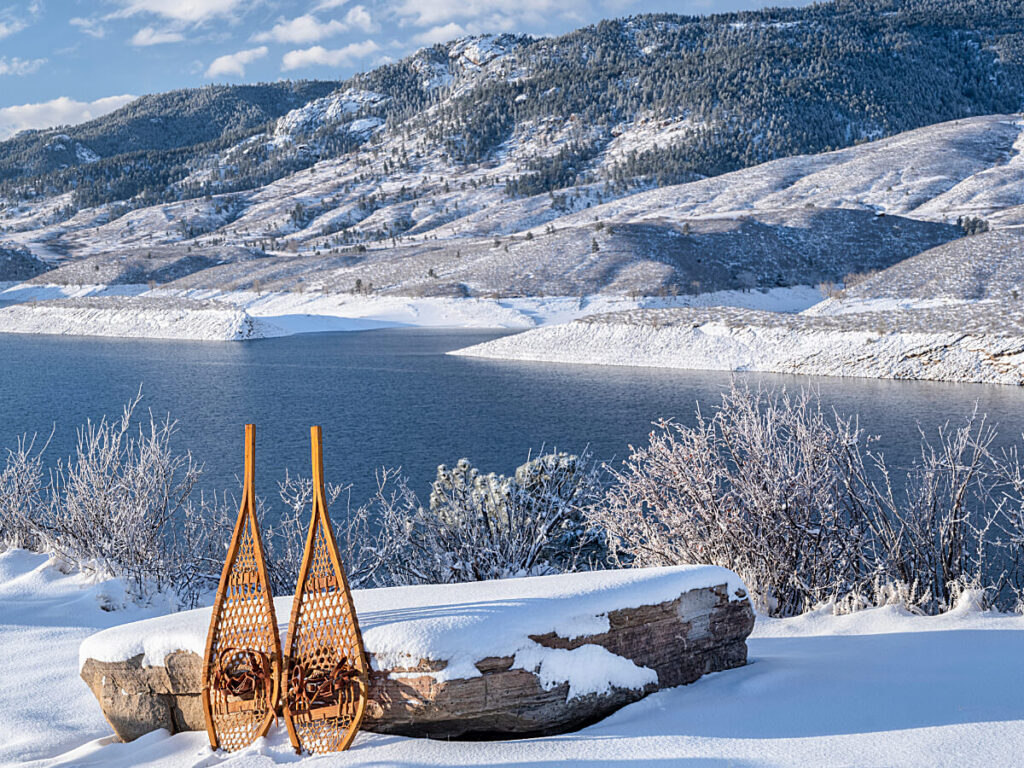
[392, 397]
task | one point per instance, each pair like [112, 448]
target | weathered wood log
[672, 642]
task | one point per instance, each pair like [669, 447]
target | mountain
[725, 92]
[656, 153]
[152, 124]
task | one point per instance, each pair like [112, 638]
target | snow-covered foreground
[135, 311]
[877, 688]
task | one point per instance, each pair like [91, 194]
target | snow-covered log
[529, 656]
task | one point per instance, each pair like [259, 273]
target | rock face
[702, 630]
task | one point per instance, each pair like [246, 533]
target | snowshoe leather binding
[242, 663]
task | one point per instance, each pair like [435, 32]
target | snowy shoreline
[921, 344]
[283, 314]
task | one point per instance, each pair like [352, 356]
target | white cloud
[302, 29]
[309, 29]
[149, 36]
[16, 66]
[318, 56]
[62, 111]
[91, 27]
[9, 27]
[235, 63]
[360, 18]
[449, 31]
[190, 11]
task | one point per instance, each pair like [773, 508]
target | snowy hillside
[470, 149]
[460, 235]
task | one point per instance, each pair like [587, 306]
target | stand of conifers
[320, 683]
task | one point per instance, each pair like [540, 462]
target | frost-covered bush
[22, 495]
[943, 533]
[483, 526]
[113, 504]
[793, 499]
[753, 488]
[285, 539]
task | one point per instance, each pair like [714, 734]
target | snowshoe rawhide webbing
[325, 671]
[242, 663]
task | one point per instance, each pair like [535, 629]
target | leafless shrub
[795, 501]
[22, 495]
[113, 503]
[828, 289]
[751, 488]
[285, 539]
[938, 537]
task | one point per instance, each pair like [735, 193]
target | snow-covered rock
[518, 656]
[337, 107]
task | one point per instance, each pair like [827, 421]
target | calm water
[391, 397]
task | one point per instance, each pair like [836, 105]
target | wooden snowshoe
[325, 671]
[242, 663]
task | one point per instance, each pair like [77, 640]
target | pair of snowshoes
[320, 682]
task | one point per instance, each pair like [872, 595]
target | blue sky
[64, 61]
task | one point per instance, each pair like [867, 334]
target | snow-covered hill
[454, 231]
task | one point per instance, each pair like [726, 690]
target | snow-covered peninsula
[132, 317]
[983, 343]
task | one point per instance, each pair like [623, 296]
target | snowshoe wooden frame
[242, 662]
[326, 676]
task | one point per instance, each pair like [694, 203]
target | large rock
[485, 660]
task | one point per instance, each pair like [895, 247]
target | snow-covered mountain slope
[985, 266]
[724, 232]
[494, 136]
[972, 167]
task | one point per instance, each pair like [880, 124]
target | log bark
[701, 631]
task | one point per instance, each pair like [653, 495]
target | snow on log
[136, 317]
[515, 657]
[980, 342]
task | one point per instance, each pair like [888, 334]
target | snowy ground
[277, 314]
[877, 688]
